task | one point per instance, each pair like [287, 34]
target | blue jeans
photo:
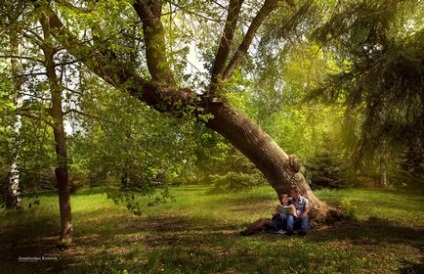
[296, 223]
[278, 222]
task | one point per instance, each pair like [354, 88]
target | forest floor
[198, 232]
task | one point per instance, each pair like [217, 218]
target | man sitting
[302, 207]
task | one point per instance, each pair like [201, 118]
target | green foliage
[279, 104]
[210, 154]
[383, 42]
[6, 105]
[36, 156]
[326, 168]
[126, 198]
[128, 144]
[233, 172]
[235, 181]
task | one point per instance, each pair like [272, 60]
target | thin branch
[34, 96]
[218, 4]
[32, 74]
[195, 14]
[66, 63]
[73, 91]
[32, 116]
[33, 35]
[97, 118]
[21, 57]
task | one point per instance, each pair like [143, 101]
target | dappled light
[176, 235]
[223, 136]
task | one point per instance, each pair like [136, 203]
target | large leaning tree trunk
[163, 93]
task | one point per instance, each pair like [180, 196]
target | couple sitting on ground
[291, 214]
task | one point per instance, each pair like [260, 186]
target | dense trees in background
[380, 84]
[337, 84]
[357, 82]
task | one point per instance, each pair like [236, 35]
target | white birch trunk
[13, 195]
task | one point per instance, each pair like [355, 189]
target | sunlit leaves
[382, 87]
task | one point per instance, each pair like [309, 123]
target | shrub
[235, 181]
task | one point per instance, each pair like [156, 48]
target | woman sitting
[278, 221]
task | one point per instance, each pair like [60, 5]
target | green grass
[198, 233]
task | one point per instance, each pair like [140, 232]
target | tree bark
[56, 112]
[13, 195]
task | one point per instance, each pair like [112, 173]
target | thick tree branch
[150, 13]
[226, 41]
[114, 72]
[263, 13]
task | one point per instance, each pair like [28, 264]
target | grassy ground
[198, 233]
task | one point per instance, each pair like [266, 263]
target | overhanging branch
[163, 98]
[112, 71]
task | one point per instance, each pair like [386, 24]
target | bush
[234, 181]
[326, 170]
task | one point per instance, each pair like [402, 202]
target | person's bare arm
[306, 212]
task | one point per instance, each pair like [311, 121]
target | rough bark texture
[56, 112]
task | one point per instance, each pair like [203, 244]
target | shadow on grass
[378, 232]
[373, 230]
[24, 240]
[103, 242]
[121, 241]
[412, 267]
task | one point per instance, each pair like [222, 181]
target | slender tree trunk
[125, 178]
[13, 195]
[383, 166]
[62, 177]
[383, 153]
[56, 112]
